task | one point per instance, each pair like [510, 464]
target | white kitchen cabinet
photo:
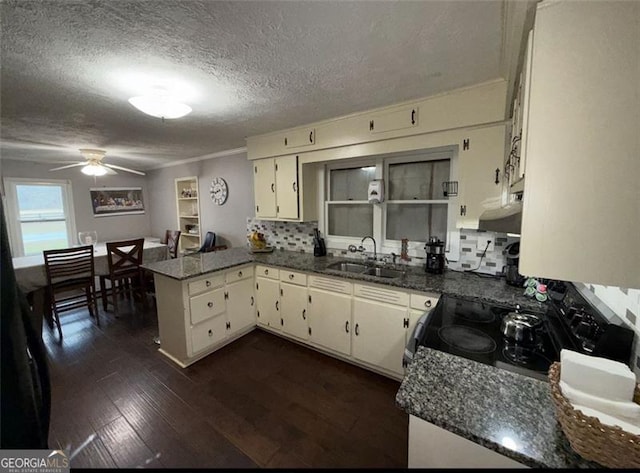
[264, 187]
[379, 333]
[394, 120]
[284, 190]
[431, 446]
[330, 320]
[480, 155]
[293, 309]
[581, 211]
[268, 302]
[299, 138]
[241, 305]
[209, 333]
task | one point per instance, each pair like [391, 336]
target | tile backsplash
[298, 236]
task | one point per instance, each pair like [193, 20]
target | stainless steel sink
[348, 267]
[384, 272]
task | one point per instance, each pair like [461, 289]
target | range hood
[507, 219]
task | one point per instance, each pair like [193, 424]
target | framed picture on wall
[108, 201]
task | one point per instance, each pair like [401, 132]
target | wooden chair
[125, 274]
[69, 270]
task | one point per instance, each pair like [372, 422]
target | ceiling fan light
[94, 169]
[160, 106]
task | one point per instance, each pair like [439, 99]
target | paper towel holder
[375, 194]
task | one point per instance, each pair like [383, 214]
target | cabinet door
[299, 138]
[379, 334]
[264, 186]
[330, 320]
[582, 186]
[241, 312]
[396, 120]
[293, 310]
[477, 176]
[268, 300]
[206, 305]
[287, 187]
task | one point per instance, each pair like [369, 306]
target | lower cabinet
[330, 320]
[241, 305]
[293, 309]
[208, 333]
[268, 303]
[379, 334]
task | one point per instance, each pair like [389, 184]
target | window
[40, 215]
[348, 212]
[414, 208]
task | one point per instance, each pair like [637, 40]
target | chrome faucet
[375, 254]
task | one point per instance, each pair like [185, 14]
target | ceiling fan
[93, 166]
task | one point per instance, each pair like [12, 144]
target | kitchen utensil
[521, 328]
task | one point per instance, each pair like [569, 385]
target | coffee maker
[512, 253]
[435, 256]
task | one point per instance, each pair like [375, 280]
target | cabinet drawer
[330, 284]
[207, 305]
[293, 277]
[208, 333]
[267, 272]
[202, 285]
[424, 301]
[239, 274]
[380, 294]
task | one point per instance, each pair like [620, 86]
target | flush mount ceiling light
[160, 105]
[94, 169]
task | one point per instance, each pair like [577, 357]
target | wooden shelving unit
[188, 205]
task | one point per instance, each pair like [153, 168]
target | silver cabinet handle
[210, 304]
[346, 326]
[427, 303]
[211, 333]
[277, 304]
[252, 301]
[357, 331]
[266, 271]
[304, 314]
[273, 187]
[295, 187]
[239, 274]
[291, 276]
[208, 283]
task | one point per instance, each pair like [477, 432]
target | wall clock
[218, 190]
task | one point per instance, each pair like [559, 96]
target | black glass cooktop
[472, 330]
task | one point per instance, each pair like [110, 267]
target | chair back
[209, 243]
[172, 238]
[69, 263]
[124, 257]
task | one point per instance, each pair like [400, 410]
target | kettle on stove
[512, 253]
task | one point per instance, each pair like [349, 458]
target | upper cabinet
[394, 120]
[581, 209]
[481, 104]
[481, 156]
[284, 190]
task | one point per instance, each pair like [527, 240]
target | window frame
[13, 213]
[381, 162]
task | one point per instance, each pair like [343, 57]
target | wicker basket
[607, 445]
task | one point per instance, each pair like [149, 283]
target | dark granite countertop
[465, 285]
[504, 411]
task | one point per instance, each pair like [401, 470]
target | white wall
[108, 228]
[228, 221]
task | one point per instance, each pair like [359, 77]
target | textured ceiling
[68, 68]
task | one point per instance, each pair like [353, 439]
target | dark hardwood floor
[261, 401]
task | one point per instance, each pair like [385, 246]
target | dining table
[31, 275]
